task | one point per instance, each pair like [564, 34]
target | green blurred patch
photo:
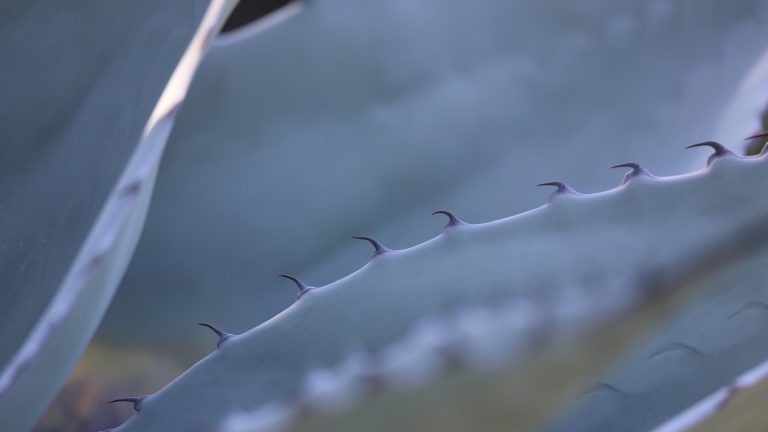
[106, 372]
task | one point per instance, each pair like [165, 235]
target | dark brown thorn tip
[378, 248]
[136, 401]
[223, 336]
[303, 288]
[452, 219]
[561, 187]
[757, 135]
[764, 150]
[714, 145]
[719, 149]
[634, 166]
[636, 170]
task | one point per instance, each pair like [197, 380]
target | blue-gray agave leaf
[82, 131]
[353, 118]
[515, 391]
[559, 255]
[704, 346]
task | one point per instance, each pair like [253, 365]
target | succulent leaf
[440, 108]
[83, 133]
[518, 393]
[704, 346]
[592, 240]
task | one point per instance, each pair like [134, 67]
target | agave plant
[337, 118]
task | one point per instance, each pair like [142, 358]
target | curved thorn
[714, 145]
[136, 401]
[213, 328]
[378, 248]
[223, 336]
[603, 387]
[636, 170]
[719, 150]
[303, 288]
[676, 346]
[764, 150]
[757, 135]
[562, 188]
[749, 306]
[452, 219]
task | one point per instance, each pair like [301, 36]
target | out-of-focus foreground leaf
[735, 407]
[83, 126]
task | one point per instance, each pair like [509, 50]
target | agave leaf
[518, 396]
[593, 241]
[79, 161]
[356, 118]
[707, 344]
